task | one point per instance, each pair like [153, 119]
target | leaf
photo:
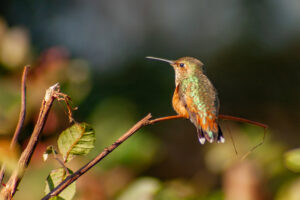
[78, 139]
[292, 160]
[50, 150]
[55, 177]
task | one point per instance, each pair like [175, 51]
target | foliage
[76, 140]
[55, 177]
[292, 159]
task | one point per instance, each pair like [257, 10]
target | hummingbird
[195, 98]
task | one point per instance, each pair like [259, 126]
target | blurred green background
[96, 50]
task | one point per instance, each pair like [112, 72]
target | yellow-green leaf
[55, 177]
[78, 139]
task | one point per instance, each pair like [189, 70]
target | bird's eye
[181, 64]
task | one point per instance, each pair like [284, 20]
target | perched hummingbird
[196, 98]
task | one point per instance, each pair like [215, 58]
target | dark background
[97, 49]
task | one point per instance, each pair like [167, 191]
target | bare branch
[21, 117]
[144, 122]
[220, 116]
[9, 190]
[239, 119]
[70, 179]
[23, 109]
[165, 118]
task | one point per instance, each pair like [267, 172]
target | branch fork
[10, 188]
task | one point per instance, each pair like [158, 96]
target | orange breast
[178, 105]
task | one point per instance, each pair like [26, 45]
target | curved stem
[21, 118]
[239, 119]
[23, 109]
[164, 118]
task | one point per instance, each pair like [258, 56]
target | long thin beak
[161, 59]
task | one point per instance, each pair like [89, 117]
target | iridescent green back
[203, 93]
[204, 98]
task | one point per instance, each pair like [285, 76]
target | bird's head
[183, 67]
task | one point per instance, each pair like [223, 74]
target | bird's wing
[200, 99]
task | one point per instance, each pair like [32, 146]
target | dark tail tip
[220, 138]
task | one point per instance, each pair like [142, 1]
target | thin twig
[21, 117]
[256, 146]
[232, 140]
[61, 163]
[54, 154]
[26, 155]
[23, 109]
[220, 116]
[67, 100]
[164, 118]
[239, 119]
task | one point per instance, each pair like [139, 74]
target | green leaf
[78, 139]
[55, 177]
[292, 160]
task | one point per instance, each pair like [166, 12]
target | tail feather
[210, 136]
[220, 139]
[203, 136]
[207, 128]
